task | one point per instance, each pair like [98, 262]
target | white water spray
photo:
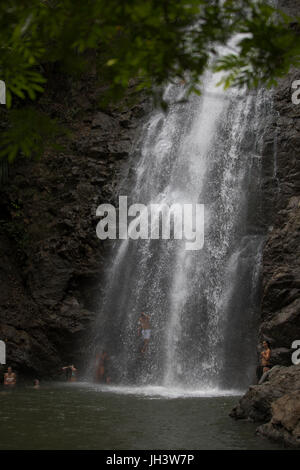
[201, 303]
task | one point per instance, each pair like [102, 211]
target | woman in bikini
[10, 378]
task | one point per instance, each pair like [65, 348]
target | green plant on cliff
[154, 41]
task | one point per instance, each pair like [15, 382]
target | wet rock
[281, 356]
[256, 404]
[285, 423]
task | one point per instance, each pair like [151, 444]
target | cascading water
[202, 304]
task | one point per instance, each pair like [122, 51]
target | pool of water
[83, 416]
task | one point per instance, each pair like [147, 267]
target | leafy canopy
[153, 41]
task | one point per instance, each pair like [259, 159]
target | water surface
[82, 416]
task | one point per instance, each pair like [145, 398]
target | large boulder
[285, 423]
[276, 404]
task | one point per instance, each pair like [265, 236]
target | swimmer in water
[10, 378]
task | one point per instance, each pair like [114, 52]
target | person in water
[71, 373]
[265, 357]
[10, 378]
[102, 361]
[36, 384]
[144, 329]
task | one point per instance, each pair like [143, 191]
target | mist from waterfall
[202, 304]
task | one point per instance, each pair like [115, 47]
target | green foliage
[29, 132]
[152, 41]
[267, 50]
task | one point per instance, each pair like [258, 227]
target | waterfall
[202, 304]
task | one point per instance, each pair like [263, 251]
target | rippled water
[83, 416]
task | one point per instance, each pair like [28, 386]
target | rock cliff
[276, 401]
[51, 261]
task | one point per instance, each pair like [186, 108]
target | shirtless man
[71, 372]
[10, 378]
[265, 356]
[144, 329]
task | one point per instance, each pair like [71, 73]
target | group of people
[10, 380]
[10, 377]
[144, 330]
[101, 369]
[102, 366]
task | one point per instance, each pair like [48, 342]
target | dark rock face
[281, 269]
[51, 261]
[276, 401]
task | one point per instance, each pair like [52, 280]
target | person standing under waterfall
[144, 329]
[102, 366]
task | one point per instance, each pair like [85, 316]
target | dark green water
[75, 416]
